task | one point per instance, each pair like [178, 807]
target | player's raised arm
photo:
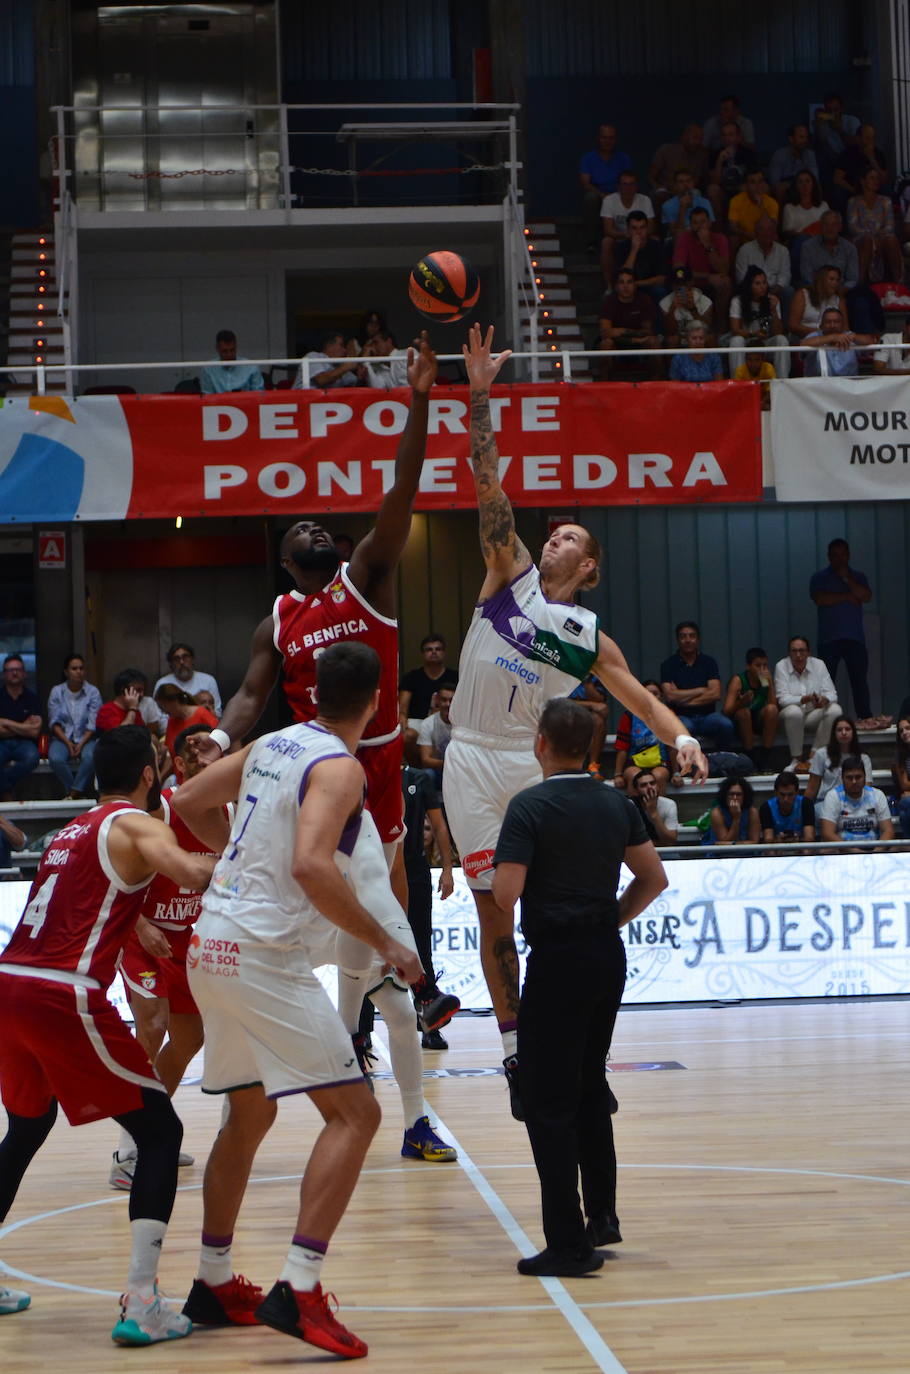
[248, 702]
[503, 552]
[375, 560]
[139, 845]
[201, 800]
[613, 671]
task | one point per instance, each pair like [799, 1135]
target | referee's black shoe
[510, 1069]
[561, 1264]
[603, 1230]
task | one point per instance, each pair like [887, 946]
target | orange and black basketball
[443, 287]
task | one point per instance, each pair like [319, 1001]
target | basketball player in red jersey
[154, 960]
[61, 1040]
[356, 600]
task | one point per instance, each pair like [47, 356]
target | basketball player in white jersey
[528, 641]
[270, 1028]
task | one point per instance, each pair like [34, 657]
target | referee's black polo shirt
[571, 832]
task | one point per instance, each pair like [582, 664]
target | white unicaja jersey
[252, 885]
[520, 650]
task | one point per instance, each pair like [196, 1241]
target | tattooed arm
[503, 552]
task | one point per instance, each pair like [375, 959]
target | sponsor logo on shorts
[515, 665]
[481, 861]
[192, 952]
[220, 957]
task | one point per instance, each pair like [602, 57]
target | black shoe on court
[611, 1098]
[510, 1068]
[603, 1230]
[561, 1264]
[434, 1008]
[432, 1040]
[365, 1058]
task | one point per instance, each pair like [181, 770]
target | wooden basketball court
[764, 1203]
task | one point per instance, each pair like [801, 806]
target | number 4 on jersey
[35, 913]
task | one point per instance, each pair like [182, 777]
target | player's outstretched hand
[207, 750]
[422, 366]
[691, 760]
[483, 367]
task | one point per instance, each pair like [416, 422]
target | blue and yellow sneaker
[422, 1142]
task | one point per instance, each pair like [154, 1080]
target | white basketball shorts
[478, 782]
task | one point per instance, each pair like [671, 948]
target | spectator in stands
[599, 175]
[677, 211]
[182, 661]
[690, 684]
[731, 168]
[729, 112]
[696, 365]
[417, 688]
[685, 306]
[893, 358]
[660, 814]
[11, 837]
[786, 164]
[706, 253]
[802, 216]
[241, 375]
[807, 701]
[830, 249]
[394, 371]
[638, 748]
[835, 347]
[809, 303]
[182, 712]
[861, 157]
[127, 703]
[628, 319]
[372, 323]
[854, 811]
[20, 726]
[734, 817]
[643, 256]
[206, 699]
[786, 816]
[595, 698]
[72, 709]
[901, 774]
[840, 593]
[337, 365]
[434, 734]
[752, 203]
[834, 131]
[870, 224]
[826, 763]
[689, 154]
[752, 705]
[755, 310]
[756, 368]
[765, 252]
[614, 219]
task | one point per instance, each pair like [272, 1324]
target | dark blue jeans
[856, 657]
[715, 726]
[17, 757]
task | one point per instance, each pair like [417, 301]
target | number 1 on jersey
[512, 696]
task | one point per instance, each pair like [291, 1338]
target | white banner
[841, 439]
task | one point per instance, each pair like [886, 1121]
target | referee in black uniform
[560, 849]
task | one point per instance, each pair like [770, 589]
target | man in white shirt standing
[182, 661]
[808, 700]
[772, 257]
[614, 217]
[854, 811]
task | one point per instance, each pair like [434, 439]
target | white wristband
[677, 743]
[223, 739]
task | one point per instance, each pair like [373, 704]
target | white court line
[584, 1329]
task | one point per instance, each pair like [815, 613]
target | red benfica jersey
[165, 904]
[79, 913]
[305, 625]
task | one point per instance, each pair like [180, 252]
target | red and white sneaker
[310, 1317]
[223, 1304]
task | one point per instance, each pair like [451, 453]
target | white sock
[509, 1043]
[147, 1239]
[404, 1048]
[126, 1149]
[215, 1265]
[303, 1265]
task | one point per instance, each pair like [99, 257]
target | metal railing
[273, 152]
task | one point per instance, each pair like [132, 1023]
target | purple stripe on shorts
[314, 1087]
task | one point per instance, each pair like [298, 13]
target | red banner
[597, 444]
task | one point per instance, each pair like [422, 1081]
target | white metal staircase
[557, 321]
[35, 328]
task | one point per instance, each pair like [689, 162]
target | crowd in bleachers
[805, 246]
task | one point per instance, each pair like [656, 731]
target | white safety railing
[562, 359]
[67, 280]
[523, 287]
[270, 149]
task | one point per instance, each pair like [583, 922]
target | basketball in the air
[443, 287]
